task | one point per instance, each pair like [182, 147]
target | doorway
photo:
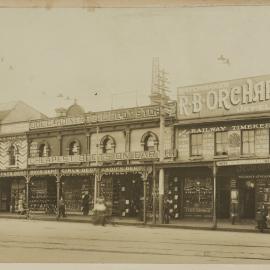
[247, 199]
[223, 198]
[5, 192]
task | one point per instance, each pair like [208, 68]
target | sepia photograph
[134, 135]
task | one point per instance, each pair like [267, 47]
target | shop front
[127, 191]
[242, 189]
[43, 194]
[12, 191]
[188, 193]
[78, 192]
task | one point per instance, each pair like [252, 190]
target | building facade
[222, 138]
[216, 144]
[109, 154]
[14, 123]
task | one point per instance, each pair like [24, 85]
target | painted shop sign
[243, 162]
[43, 172]
[225, 128]
[13, 174]
[224, 98]
[78, 171]
[127, 169]
[12, 138]
[149, 155]
[146, 112]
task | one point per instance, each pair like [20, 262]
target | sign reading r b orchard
[224, 98]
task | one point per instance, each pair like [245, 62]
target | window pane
[245, 148]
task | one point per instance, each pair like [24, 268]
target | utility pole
[158, 96]
[162, 81]
[97, 169]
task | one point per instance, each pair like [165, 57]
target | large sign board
[147, 155]
[137, 113]
[224, 98]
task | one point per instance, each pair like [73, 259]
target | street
[44, 241]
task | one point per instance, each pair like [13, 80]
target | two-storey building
[14, 123]
[222, 138]
[109, 154]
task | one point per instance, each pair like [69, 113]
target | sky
[49, 53]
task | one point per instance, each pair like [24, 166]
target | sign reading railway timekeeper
[224, 98]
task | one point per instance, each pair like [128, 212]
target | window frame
[248, 131]
[199, 153]
[223, 153]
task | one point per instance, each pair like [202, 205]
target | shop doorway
[5, 192]
[78, 193]
[127, 200]
[247, 199]
[223, 198]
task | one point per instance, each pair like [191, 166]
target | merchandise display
[198, 194]
[173, 203]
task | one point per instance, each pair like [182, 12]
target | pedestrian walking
[166, 211]
[99, 216]
[62, 208]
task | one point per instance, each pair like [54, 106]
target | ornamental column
[60, 148]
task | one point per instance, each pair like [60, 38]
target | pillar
[60, 149]
[58, 186]
[214, 196]
[96, 188]
[127, 141]
[88, 142]
[27, 178]
[161, 195]
[154, 195]
[144, 199]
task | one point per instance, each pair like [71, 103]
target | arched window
[149, 141]
[43, 150]
[107, 144]
[12, 155]
[149, 144]
[74, 148]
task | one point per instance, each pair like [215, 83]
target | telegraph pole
[97, 169]
[163, 100]
[158, 96]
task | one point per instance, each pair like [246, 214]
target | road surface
[47, 241]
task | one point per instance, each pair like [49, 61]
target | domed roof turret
[75, 110]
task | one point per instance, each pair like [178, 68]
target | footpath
[199, 224]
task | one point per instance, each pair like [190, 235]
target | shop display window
[198, 196]
[43, 195]
[173, 201]
[74, 189]
[17, 196]
[128, 196]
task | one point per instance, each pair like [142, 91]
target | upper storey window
[221, 140]
[248, 142]
[12, 155]
[108, 145]
[196, 144]
[74, 148]
[43, 150]
[149, 141]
